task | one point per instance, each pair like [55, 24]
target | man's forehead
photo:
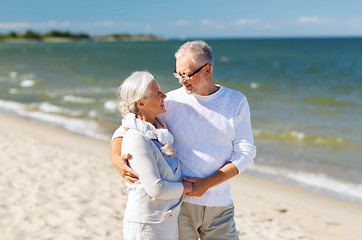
[184, 63]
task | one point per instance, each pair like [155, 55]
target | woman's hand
[188, 186]
[200, 186]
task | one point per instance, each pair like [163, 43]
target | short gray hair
[199, 49]
[135, 87]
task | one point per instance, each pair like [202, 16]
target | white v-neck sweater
[209, 131]
[158, 191]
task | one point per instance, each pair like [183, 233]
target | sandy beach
[59, 185]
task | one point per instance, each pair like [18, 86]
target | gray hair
[199, 49]
[135, 87]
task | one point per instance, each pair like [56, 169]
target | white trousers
[165, 230]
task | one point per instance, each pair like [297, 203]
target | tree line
[29, 34]
[32, 35]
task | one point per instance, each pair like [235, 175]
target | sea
[304, 94]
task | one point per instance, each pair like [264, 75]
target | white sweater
[159, 190]
[209, 131]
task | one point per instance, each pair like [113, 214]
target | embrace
[178, 152]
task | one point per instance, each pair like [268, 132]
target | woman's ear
[139, 102]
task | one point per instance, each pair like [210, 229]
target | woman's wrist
[188, 186]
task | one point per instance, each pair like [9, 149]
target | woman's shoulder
[136, 139]
[135, 143]
[134, 134]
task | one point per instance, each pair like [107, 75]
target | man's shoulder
[231, 93]
[176, 93]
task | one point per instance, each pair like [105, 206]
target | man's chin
[189, 91]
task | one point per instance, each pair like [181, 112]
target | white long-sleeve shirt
[158, 191]
[210, 131]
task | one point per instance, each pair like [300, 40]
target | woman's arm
[143, 161]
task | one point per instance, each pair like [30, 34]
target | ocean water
[304, 94]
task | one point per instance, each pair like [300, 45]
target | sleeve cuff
[244, 154]
[118, 133]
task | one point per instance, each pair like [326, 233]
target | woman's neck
[146, 118]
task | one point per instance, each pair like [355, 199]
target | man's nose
[182, 80]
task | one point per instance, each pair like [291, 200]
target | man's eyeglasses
[187, 77]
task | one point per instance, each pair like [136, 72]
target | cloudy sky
[186, 18]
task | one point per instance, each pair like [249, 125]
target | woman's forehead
[154, 85]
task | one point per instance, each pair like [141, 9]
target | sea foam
[48, 115]
[111, 106]
[77, 99]
[27, 83]
[316, 181]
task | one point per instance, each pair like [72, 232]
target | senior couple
[177, 163]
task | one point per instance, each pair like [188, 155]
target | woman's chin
[163, 110]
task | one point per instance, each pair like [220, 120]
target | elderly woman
[154, 200]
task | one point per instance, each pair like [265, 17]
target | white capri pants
[165, 230]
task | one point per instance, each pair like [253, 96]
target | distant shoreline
[101, 39]
[66, 36]
[160, 38]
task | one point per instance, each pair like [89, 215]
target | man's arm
[201, 185]
[120, 162]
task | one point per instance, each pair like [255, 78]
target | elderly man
[214, 142]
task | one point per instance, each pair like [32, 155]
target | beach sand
[58, 185]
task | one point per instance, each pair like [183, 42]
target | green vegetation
[31, 35]
[282, 210]
[66, 34]
[56, 35]
[126, 36]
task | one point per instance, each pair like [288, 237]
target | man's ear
[208, 69]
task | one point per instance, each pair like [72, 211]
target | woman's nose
[163, 96]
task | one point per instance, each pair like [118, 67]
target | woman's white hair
[200, 50]
[135, 87]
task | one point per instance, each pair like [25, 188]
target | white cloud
[52, 23]
[242, 21]
[148, 28]
[238, 23]
[23, 25]
[127, 23]
[105, 24]
[181, 22]
[306, 19]
[83, 25]
[211, 23]
[14, 25]
[65, 24]
[206, 22]
[354, 22]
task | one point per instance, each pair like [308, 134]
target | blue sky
[186, 18]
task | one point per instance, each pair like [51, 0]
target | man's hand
[122, 165]
[200, 186]
[121, 162]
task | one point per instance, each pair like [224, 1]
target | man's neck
[209, 90]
